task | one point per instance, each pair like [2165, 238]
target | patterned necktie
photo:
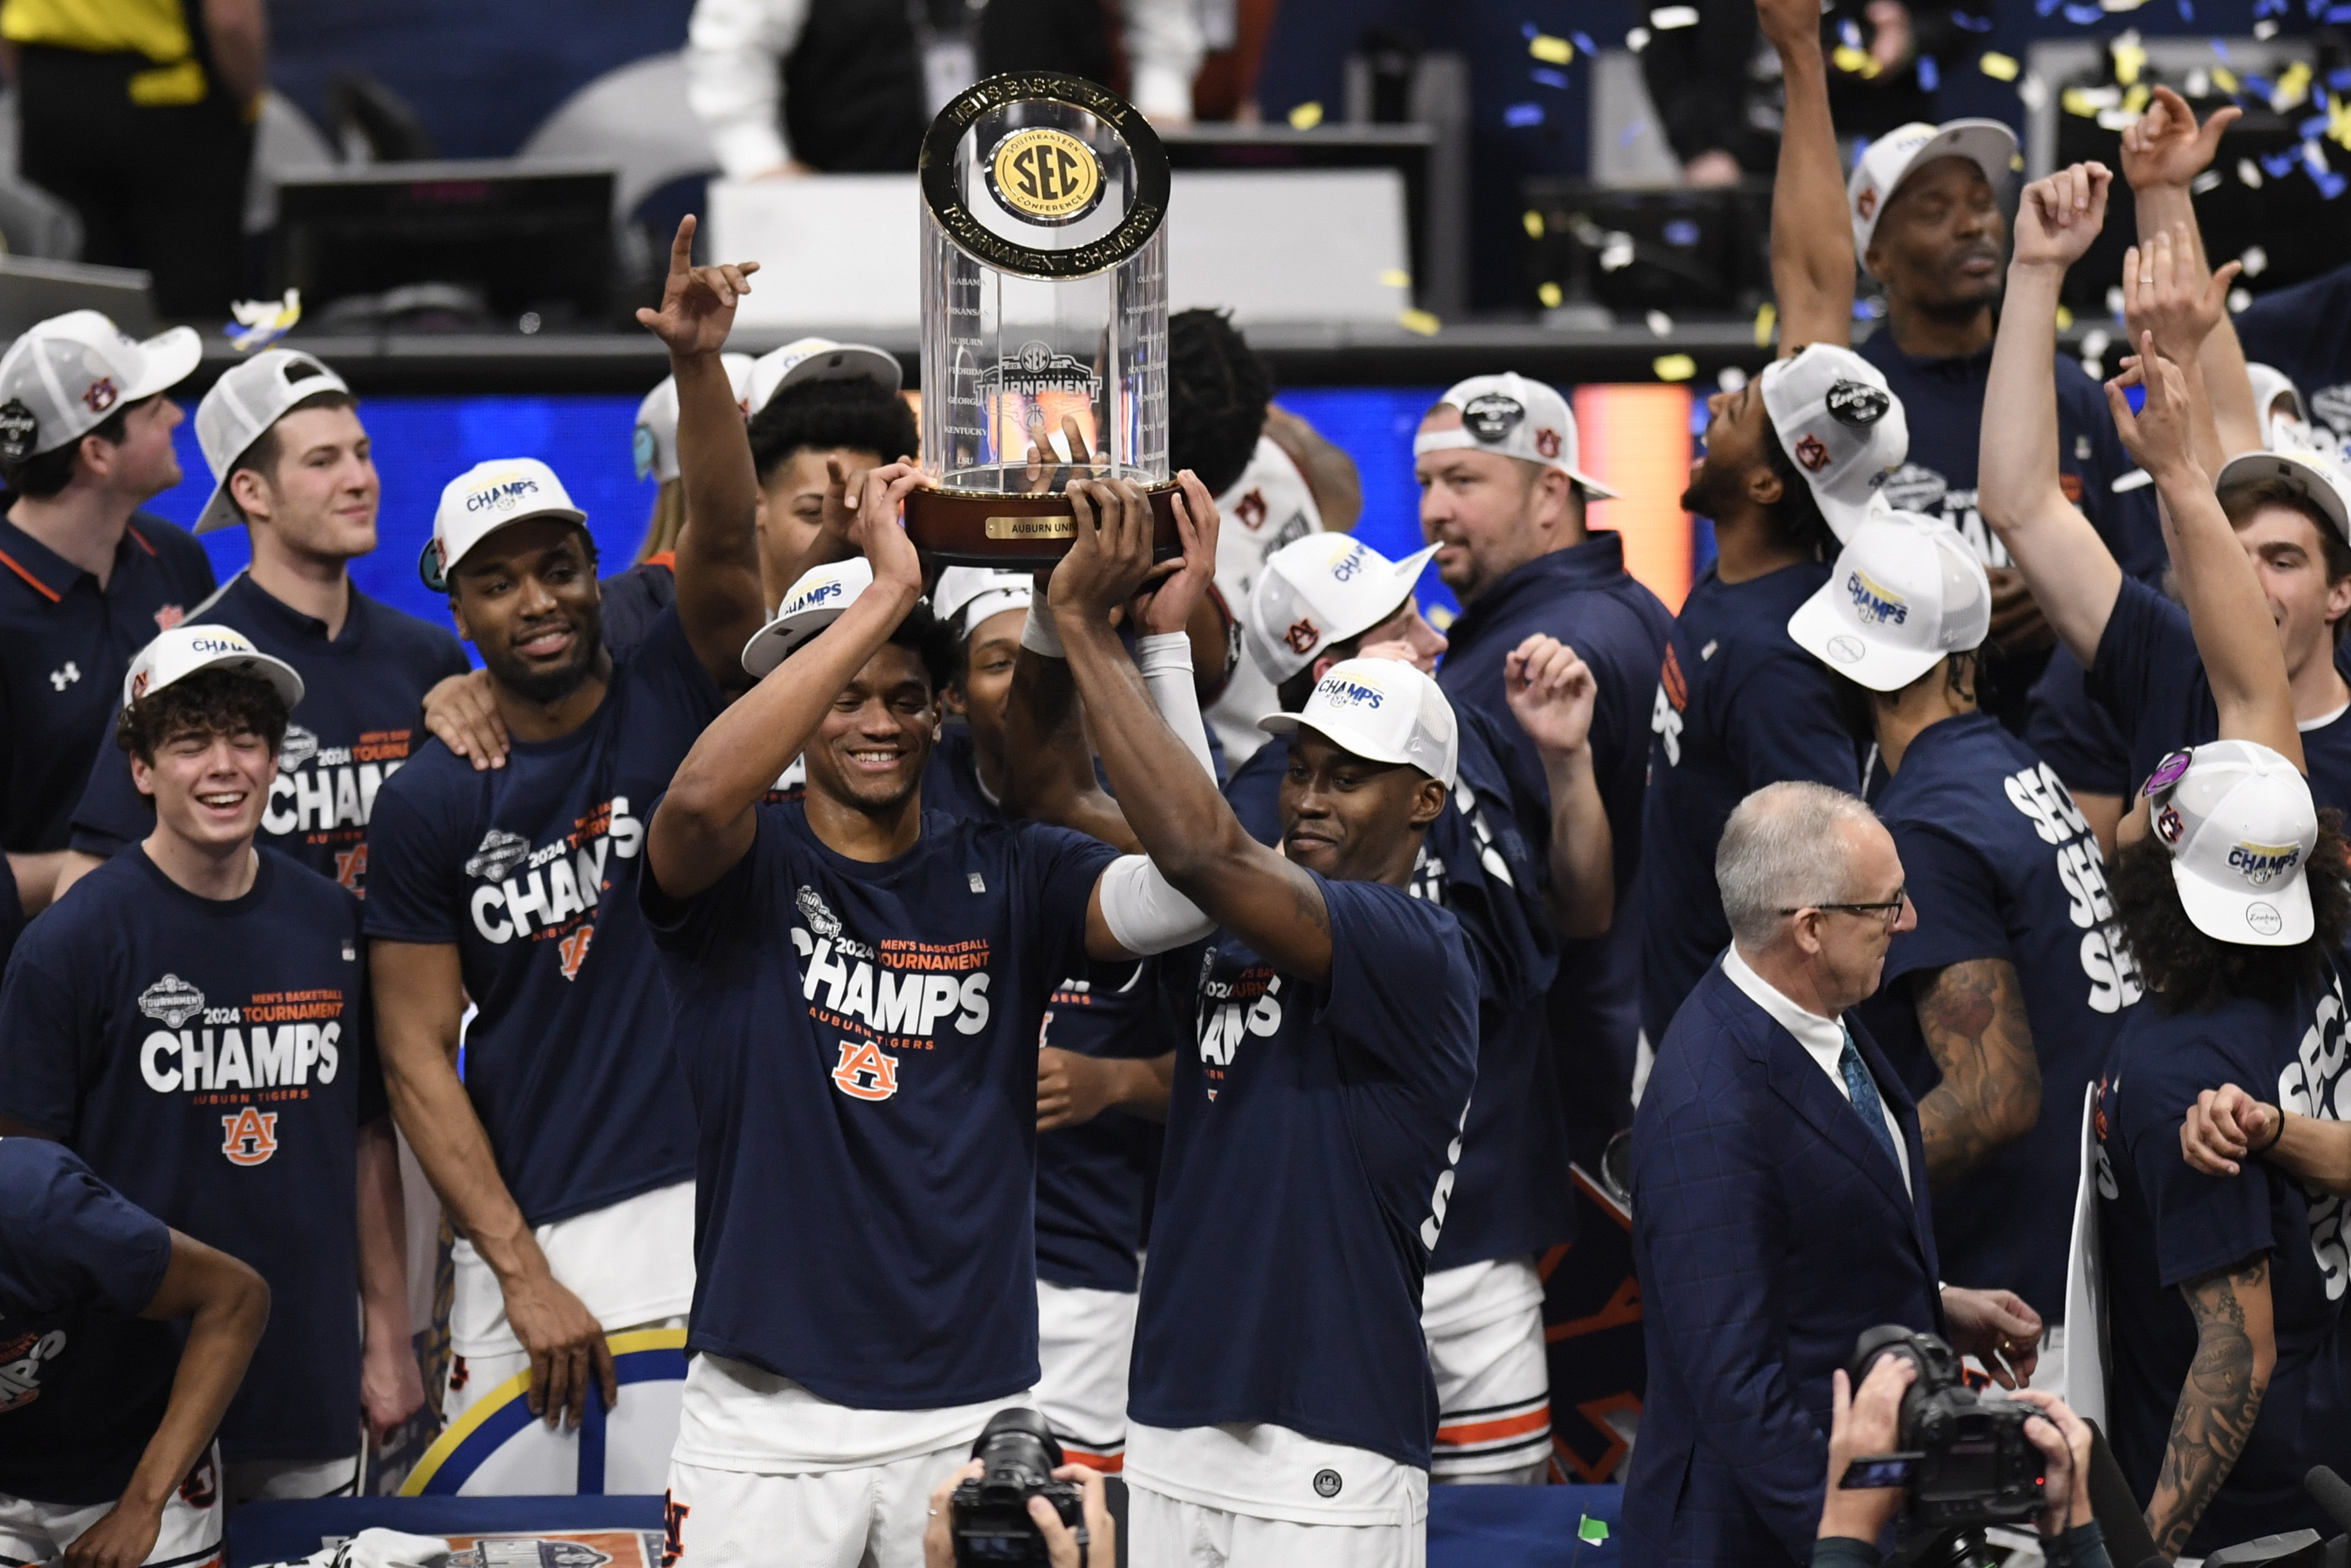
[1864, 1089]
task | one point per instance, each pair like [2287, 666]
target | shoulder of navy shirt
[634, 599]
[1768, 1230]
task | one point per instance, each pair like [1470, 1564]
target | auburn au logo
[573, 948]
[251, 1136]
[350, 865]
[864, 1072]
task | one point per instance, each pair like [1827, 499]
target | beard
[543, 684]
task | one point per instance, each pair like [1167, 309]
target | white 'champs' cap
[243, 403]
[482, 500]
[62, 379]
[821, 360]
[2240, 826]
[1382, 710]
[1518, 418]
[1886, 162]
[184, 650]
[967, 595]
[654, 444]
[815, 603]
[2270, 384]
[2304, 472]
[1320, 590]
[1841, 425]
[1905, 591]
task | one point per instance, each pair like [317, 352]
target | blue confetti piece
[1972, 23]
[1528, 29]
[1861, 310]
[2314, 126]
[2044, 6]
[1930, 76]
[1681, 232]
[2084, 15]
[2329, 185]
[1548, 78]
[2337, 14]
[2259, 87]
[1583, 42]
[1632, 134]
[2280, 164]
[2339, 78]
[1849, 34]
[1520, 115]
[2220, 46]
[2186, 12]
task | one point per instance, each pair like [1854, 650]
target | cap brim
[776, 641]
[220, 512]
[2301, 471]
[1989, 145]
[1353, 744]
[1593, 488]
[171, 358]
[1821, 630]
[844, 362]
[281, 674]
[438, 581]
[2269, 918]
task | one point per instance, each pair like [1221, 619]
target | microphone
[2331, 1492]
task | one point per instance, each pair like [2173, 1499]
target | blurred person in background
[634, 597]
[1160, 44]
[789, 87]
[140, 114]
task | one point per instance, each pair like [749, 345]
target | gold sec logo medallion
[1045, 175]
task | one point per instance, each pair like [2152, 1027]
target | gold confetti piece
[2293, 88]
[2338, 120]
[1395, 278]
[2016, 162]
[2130, 59]
[1440, 617]
[1550, 50]
[2224, 79]
[1673, 367]
[1420, 321]
[1767, 318]
[1999, 67]
[1550, 295]
[2064, 318]
[1306, 116]
[2077, 100]
[1534, 222]
[1852, 61]
[2135, 101]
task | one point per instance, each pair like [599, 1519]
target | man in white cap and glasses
[633, 598]
[1485, 860]
[1998, 1007]
[292, 463]
[86, 578]
[1792, 464]
[193, 1022]
[565, 1157]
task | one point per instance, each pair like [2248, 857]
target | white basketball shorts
[1084, 1341]
[191, 1536]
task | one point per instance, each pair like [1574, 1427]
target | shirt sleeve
[685, 929]
[673, 698]
[41, 1029]
[1781, 724]
[1401, 986]
[113, 814]
[734, 53]
[80, 1246]
[1059, 869]
[2073, 734]
[2146, 657]
[413, 891]
[2201, 1223]
[1958, 897]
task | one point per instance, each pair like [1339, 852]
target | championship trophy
[1044, 317]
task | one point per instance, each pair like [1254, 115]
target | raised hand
[1789, 23]
[2159, 437]
[1551, 692]
[2165, 146]
[2059, 217]
[697, 307]
[876, 532]
[2223, 1126]
[2160, 295]
[1166, 603]
[1111, 557]
[1998, 1328]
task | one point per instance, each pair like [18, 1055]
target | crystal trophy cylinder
[1044, 317]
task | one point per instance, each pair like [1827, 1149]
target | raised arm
[2066, 565]
[1184, 823]
[1552, 694]
[2227, 610]
[2236, 1350]
[718, 593]
[1812, 235]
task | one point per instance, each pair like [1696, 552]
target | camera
[1967, 1462]
[991, 1523]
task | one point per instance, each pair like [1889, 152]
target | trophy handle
[983, 529]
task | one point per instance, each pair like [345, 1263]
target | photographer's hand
[2064, 1440]
[1061, 1542]
[938, 1532]
[1859, 1428]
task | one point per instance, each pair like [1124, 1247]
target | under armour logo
[63, 678]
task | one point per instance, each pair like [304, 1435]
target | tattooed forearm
[2235, 1350]
[1972, 1016]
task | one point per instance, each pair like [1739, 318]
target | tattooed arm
[2236, 1347]
[1972, 1016]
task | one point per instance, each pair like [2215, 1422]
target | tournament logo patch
[1252, 511]
[249, 1137]
[1915, 489]
[171, 1002]
[1813, 453]
[2168, 772]
[1873, 601]
[2261, 865]
[1547, 442]
[100, 395]
[1491, 417]
[1327, 1483]
[299, 746]
[813, 909]
[1045, 175]
[499, 852]
[1303, 635]
[20, 430]
[1857, 403]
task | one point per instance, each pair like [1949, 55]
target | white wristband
[1037, 633]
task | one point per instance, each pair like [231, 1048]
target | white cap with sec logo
[66, 375]
[653, 444]
[1516, 417]
[176, 655]
[2240, 825]
[1905, 591]
[1382, 710]
[482, 500]
[247, 401]
[1841, 425]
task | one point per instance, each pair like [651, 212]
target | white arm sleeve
[1165, 45]
[1144, 911]
[1166, 662]
[734, 53]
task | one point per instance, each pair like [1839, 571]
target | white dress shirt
[1822, 1040]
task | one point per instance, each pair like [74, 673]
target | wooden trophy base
[1008, 533]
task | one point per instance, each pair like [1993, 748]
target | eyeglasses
[1890, 911]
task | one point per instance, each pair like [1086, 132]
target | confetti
[2198, 83]
[2224, 79]
[2338, 120]
[1999, 67]
[1637, 39]
[1545, 77]
[1534, 224]
[1419, 321]
[2064, 318]
[1673, 367]
[261, 323]
[2255, 261]
[1730, 378]
[2115, 301]
[1852, 62]
[1666, 19]
[1306, 116]
[2208, 181]
[1550, 50]
[1660, 324]
[2033, 91]
[1582, 41]
[1930, 75]
[1395, 278]
[2130, 58]
[2239, 298]
[2082, 16]
[1972, 23]
[2292, 87]
[1550, 295]
[1767, 318]
[1519, 116]
[2248, 174]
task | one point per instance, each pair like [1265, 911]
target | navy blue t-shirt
[2149, 677]
[867, 1031]
[213, 1061]
[1944, 399]
[2002, 865]
[1583, 596]
[65, 645]
[1739, 706]
[1310, 1145]
[634, 599]
[1511, 1190]
[2163, 1224]
[84, 1382]
[531, 871]
[363, 693]
[2305, 331]
[2072, 733]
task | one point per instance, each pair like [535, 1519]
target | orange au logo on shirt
[251, 1136]
[573, 948]
[865, 1074]
[350, 865]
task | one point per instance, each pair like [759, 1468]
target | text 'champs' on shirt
[531, 871]
[860, 1039]
[1311, 1138]
[213, 1061]
[362, 692]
